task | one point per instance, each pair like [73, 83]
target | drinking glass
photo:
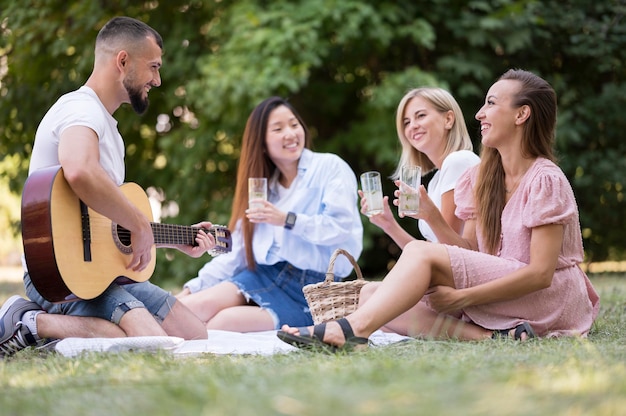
[257, 191]
[372, 188]
[410, 180]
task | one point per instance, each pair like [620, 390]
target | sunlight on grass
[288, 405]
[577, 378]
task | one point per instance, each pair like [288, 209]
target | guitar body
[53, 240]
[72, 252]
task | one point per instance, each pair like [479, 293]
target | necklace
[519, 179]
[514, 187]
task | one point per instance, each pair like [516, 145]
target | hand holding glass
[372, 188]
[257, 190]
[410, 181]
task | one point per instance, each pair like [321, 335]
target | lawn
[420, 377]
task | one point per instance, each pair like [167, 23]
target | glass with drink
[410, 180]
[257, 192]
[372, 188]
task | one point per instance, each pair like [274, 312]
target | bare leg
[207, 303]
[136, 322]
[422, 322]
[224, 307]
[183, 293]
[139, 322]
[63, 326]
[247, 318]
[183, 323]
[366, 292]
[420, 266]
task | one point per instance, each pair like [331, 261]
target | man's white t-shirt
[444, 180]
[79, 108]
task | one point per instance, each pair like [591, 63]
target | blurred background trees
[345, 65]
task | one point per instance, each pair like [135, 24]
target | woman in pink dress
[515, 270]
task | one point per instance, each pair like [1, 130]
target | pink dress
[544, 196]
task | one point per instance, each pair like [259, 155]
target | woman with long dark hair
[288, 241]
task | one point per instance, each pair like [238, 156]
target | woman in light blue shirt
[287, 242]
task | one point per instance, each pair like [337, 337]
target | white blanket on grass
[218, 342]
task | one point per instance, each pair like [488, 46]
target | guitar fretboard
[176, 234]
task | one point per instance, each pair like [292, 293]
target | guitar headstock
[223, 240]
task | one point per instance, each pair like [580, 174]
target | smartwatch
[290, 221]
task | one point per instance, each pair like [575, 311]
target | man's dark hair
[127, 28]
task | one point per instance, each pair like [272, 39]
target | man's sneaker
[15, 336]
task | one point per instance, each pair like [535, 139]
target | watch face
[290, 220]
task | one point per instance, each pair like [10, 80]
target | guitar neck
[171, 234]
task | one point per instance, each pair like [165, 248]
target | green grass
[540, 377]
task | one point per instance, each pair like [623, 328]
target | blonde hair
[458, 137]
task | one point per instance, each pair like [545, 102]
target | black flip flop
[316, 341]
[523, 328]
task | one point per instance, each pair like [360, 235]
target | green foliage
[344, 64]
[10, 247]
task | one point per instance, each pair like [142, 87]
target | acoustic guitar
[72, 252]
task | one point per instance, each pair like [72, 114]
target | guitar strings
[165, 233]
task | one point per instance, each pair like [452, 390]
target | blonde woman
[432, 131]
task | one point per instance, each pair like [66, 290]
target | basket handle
[330, 275]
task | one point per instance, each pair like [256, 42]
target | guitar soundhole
[121, 237]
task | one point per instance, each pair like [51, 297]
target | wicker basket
[330, 300]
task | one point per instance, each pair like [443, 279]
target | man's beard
[135, 94]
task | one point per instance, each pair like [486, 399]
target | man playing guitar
[80, 134]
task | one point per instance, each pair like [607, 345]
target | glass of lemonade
[410, 180]
[372, 188]
[257, 190]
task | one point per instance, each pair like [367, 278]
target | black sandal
[523, 328]
[316, 341]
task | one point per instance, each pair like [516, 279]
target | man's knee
[140, 322]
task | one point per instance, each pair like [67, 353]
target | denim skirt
[277, 288]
